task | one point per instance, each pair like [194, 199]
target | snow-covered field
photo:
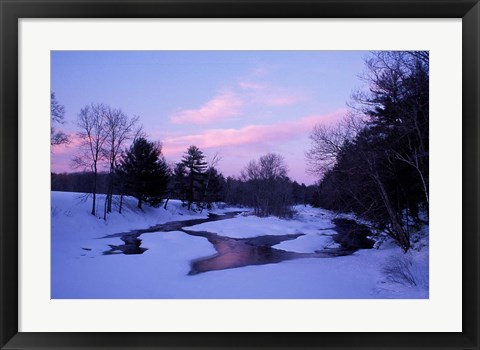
[80, 270]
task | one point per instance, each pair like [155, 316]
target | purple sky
[239, 104]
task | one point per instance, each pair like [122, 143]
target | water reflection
[239, 252]
[232, 253]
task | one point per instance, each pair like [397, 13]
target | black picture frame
[13, 10]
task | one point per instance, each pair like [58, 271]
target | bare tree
[93, 134]
[272, 166]
[119, 129]
[57, 115]
[328, 141]
[269, 190]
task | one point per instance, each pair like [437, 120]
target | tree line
[109, 166]
[142, 172]
[375, 162]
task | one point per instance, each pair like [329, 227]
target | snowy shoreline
[81, 270]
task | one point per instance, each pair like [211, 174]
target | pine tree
[144, 172]
[195, 166]
[214, 186]
[381, 173]
[179, 182]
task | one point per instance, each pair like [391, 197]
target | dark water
[238, 252]
[132, 242]
[352, 235]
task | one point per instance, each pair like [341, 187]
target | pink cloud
[282, 100]
[269, 95]
[223, 105]
[252, 134]
[229, 104]
[249, 85]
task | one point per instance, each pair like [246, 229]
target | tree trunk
[94, 189]
[166, 202]
[416, 165]
[110, 189]
[105, 208]
[121, 203]
[139, 203]
[109, 201]
[400, 234]
[425, 190]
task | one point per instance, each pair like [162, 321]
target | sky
[237, 104]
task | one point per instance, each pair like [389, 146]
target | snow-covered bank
[80, 270]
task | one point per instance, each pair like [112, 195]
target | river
[239, 252]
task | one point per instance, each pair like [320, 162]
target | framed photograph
[239, 174]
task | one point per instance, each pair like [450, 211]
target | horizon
[237, 104]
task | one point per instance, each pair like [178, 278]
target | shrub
[400, 270]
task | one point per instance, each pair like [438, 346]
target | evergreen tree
[145, 172]
[180, 182]
[214, 186]
[195, 166]
[381, 173]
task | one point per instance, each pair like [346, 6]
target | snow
[80, 270]
[253, 226]
[308, 243]
[314, 225]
